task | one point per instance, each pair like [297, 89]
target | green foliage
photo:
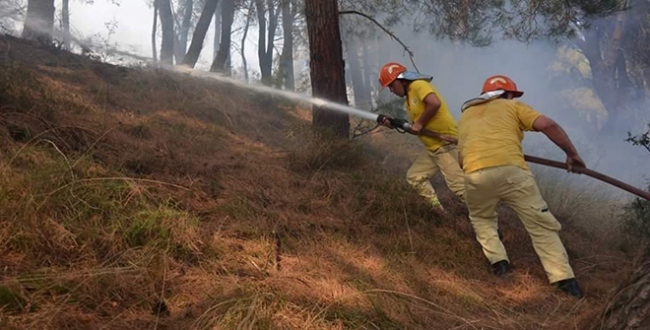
[637, 213]
[637, 218]
[528, 20]
[596, 7]
[478, 21]
[462, 20]
[640, 140]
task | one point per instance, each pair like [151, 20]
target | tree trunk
[217, 29]
[360, 99]
[326, 64]
[286, 58]
[243, 41]
[181, 48]
[369, 67]
[65, 23]
[266, 38]
[199, 33]
[630, 308]
[601, 47]
[274, 13]
[167, 25]
[39, 21]
[261, 37]
[154, 49]
[228, 14]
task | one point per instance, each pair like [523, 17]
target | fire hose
[404, 126]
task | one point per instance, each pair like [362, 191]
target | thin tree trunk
[270, 40]
[326, 64]
[602, 58]
[286, 58]
[217, 29]
[243, 41]
[65, 23]
[188, 9]
[356, 75]
[167, 24]
[367, 71]
[39, 21]
[228, 14]
[153, 31]
[199, 33]
[266, 38]
[261, 38]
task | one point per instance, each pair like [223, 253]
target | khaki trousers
[517, 188]
[428, 163]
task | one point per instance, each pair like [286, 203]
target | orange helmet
[500, 82]
[389, 73]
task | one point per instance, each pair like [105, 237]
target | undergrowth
[138, 198]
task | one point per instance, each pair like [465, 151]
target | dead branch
[359, 131]
[391, 34]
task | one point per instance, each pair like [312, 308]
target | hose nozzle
[398, 124]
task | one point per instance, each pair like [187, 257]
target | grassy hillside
[134, 198]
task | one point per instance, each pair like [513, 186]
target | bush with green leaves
[637, 212]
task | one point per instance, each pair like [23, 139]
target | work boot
[570, 286]
[501, 268]
[435, 203]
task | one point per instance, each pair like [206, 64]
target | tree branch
[391, 34]
[359, 132]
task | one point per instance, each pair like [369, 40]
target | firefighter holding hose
[427, 109]
[491, 129]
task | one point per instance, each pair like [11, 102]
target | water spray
[401, 125]
[319, 102]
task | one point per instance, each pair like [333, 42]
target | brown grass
[136, 198]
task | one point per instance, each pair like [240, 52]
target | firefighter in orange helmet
[426, 108]
[491, 129]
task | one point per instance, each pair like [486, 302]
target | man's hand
[573, 162]
[417, 127]
[386, 122]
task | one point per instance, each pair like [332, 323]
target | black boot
[570, 286]
[501, 268]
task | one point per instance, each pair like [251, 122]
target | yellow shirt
[442, 122]
[490, 134]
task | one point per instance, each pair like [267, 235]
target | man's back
[490, 134]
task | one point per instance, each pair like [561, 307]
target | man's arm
[432, 105]
[556, 134]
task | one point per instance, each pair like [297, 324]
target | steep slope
[135, 198]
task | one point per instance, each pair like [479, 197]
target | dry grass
[134, 199]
